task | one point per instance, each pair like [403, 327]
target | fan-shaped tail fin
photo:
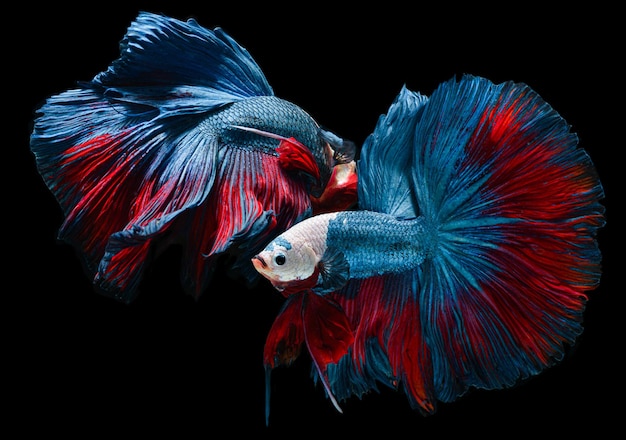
[514, 205]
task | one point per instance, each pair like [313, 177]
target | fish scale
[273, 115]
[404, 245]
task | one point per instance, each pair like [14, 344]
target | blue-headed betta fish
[466, 262]
[181, 140]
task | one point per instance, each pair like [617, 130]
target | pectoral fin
[334, 271]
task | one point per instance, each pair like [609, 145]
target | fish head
[289, 266]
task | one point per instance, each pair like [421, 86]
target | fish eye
[280, 259]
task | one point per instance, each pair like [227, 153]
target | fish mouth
[259, 263]
[262, 268]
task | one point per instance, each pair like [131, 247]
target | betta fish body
[181, 140]
[466, 262]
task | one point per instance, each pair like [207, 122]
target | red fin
[293, 155]
[284, 340]
[340, 193]
[371, 305]
[327, 331]
[328, 335]
[315, 319]
[410, 358]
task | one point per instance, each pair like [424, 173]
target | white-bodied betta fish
[466, 262]
[182, 140]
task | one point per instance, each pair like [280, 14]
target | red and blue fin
[389, 346]
[514, 205]
[126, 157]
[253, 198]
[315, 321]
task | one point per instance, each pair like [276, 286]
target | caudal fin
[515, 206]
[517, 203]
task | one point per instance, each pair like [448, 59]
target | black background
[82, 363]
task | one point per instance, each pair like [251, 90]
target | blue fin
[384, 166]
[181, 67]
